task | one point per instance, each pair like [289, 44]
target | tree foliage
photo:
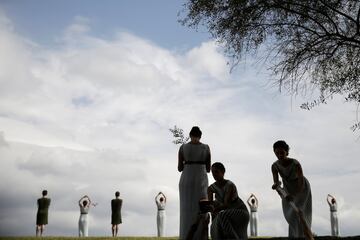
[312, 43]
[178, 134]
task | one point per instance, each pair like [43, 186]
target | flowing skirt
[192, 187]
[303, 201]
[83, 225]
[161, 220]
[230, 224]
[334, 224]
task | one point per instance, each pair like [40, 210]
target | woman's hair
[117, 194]
[218, 165]
[85, 203]
[195, 132]
[161, 199]
[281, 144]
[253, 201]
[44, 192]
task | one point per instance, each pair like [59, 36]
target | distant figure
[116, 205]
[333, 216]
[42, 213]
[194, 163]
[160, 201]
[84, 204]
[297, 188]
[253, 204]
[230, 216]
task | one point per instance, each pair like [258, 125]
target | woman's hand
[276, 184]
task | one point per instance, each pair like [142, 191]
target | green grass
[89, 238]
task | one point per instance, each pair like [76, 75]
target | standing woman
[194, 161]
[333, 215]
[116, 205]
[42, 213]
[296, 186]
[253, 204]
[160, 201]
[84, 204]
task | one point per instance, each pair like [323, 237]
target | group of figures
[84, 203]
[220, 201]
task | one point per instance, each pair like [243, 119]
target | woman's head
[117, 194]
[195, 133]
[253, 201]
[161, 199]
[85, 202]
[281, 149]
[218, 171]
[44, 192]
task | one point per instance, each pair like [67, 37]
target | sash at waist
[194, 162]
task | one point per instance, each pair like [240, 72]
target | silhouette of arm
[208, 161]
[181, 159]
[275, 174]
[248, 201]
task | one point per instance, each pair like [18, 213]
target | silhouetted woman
[84, 204]
[42, 213]
[296, 186]
[253, 204]
[116, 205]
[194, 161]
[333, 215]
[230, 215]
[160, 201]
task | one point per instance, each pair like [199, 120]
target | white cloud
[91, 116]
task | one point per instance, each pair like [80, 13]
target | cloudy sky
[89, 90]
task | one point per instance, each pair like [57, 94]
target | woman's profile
[194, 161]
[297, 189]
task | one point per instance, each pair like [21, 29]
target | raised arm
[181, 159]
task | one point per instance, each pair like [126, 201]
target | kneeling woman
[230, 217]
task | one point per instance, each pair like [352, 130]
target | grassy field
[165, 238]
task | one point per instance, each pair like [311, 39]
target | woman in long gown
[230, 215]
[84, 204]
[160, 201]
[296, 186]
[194, 162]
[253, 204]
[333, 215]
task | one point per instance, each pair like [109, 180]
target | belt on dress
[83, 213]
[161, 209]
[194, 162]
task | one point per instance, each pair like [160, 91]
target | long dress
[84, 221]
[302, 200]
[116, 205]
[43, 209]
[253, 220]
[160, 218]
[334, 220]
[193, 184]
[232, 222]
